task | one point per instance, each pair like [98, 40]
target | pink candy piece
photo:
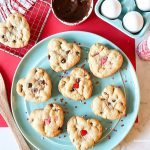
[143, 51]
[47, 121]
[103, 60]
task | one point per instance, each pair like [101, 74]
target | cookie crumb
[114, 130]
[122, 125]
[109, 137]
[97, 82]
[125, 81]
[61, 100]
[83, 66]
[65, 72]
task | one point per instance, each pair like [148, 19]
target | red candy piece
[103, 60]
[76, 85]
[47, 121]
[83, 132]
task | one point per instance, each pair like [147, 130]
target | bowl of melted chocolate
[72, 12]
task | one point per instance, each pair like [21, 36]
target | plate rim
[73, 31]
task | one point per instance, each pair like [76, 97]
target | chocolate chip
[63, 60]
[72, 90]
[51, 105]
[42, 82]
[121, 103]
[29, 85]
[77, 53]
[21, 88]
[49, 56]
[103, 99]
[67, 52]
[34, 90]
[105, 93]
[113, 100]
[119, 111]
[60, 128]
[3, 36]
[31, 120]
[78, 80]
[109, 103]
[101, 112]
[14, 41]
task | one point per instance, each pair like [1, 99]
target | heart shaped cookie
[36, 87]
[63, 55]
[77, 86]
[48, 121]
[15, 32]
[84, 133]
[111, 104]
[104, 62]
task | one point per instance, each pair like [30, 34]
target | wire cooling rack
[36, 17]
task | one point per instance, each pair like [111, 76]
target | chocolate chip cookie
[15, 32]
[36, 87]
[111, 104]
[84, 133]
[103, 61]
[63, 55]
[48, 121]
[77, 86]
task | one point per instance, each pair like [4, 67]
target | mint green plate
[113, 131]
[127, 5]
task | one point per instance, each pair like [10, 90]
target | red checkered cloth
[36, 13]
[11, 6]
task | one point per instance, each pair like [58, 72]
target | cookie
[63, 55]
[111, 104]
[15, 32]
[77, 86]
[84, 133]
[103, 61]
[36, 87]
[48, 121]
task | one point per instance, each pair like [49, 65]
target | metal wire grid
[36, 17]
